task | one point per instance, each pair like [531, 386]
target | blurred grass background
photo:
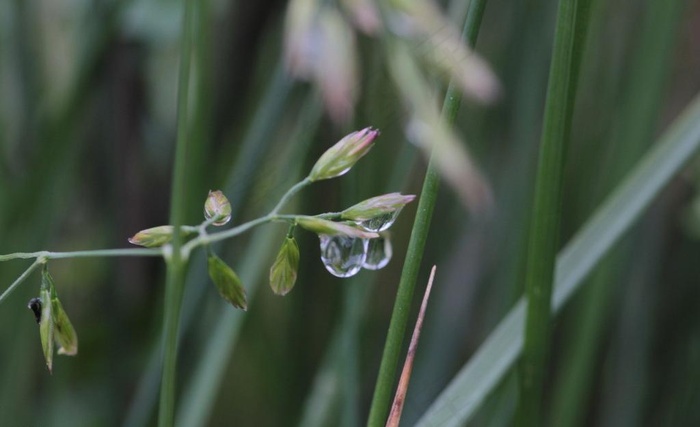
[87, 129]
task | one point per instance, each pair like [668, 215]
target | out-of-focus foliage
[87, 129]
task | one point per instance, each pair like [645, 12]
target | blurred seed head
[320, 47]
[364, 14]
[301, 37]
[427, 129]
[335, 69]
[439, 44]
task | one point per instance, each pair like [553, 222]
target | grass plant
[564, 266]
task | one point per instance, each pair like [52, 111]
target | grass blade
[414, 254]
[633, 133]
[176, 266]
[400, 398]
[459, 401]
[544, 227]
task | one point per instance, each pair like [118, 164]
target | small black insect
[35, 306]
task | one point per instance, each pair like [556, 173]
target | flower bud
[378, 213]
[331, 228]
[227, 282]
[54, 326]
[46, 326]
[377, 206]
[153, 237]
[218, 208]
[364, 14]
[283, 273]
[338, 159]
[63, 332]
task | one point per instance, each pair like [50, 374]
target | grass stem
[545, 222]
[382, 398]
[175, 275]
[292, 191]
[20, 279]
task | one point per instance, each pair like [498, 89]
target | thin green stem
[21, 279]
[204, 238]
[83, 254]
[544, 227]
[382, 398]
[404, 295]
[292, 191]
[638, 116]
[258, 138]
[175, 275]
[223, 235]
[199, 395]
[23, 255]
[679, 143]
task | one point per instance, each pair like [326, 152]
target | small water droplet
[381, 222]
[379, 253]
[343, 256]
[223, 221]
[217, 207]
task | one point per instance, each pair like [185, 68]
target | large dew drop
[381, 222]
[343, 256]
[378, 253]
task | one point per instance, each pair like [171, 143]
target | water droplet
[223, 221]
[217, 207]
[380, 222]
[343, 256]
[378, 253]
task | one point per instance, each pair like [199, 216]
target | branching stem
[84, 254]
[20, 279]
[203, 238]
[289, 194]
